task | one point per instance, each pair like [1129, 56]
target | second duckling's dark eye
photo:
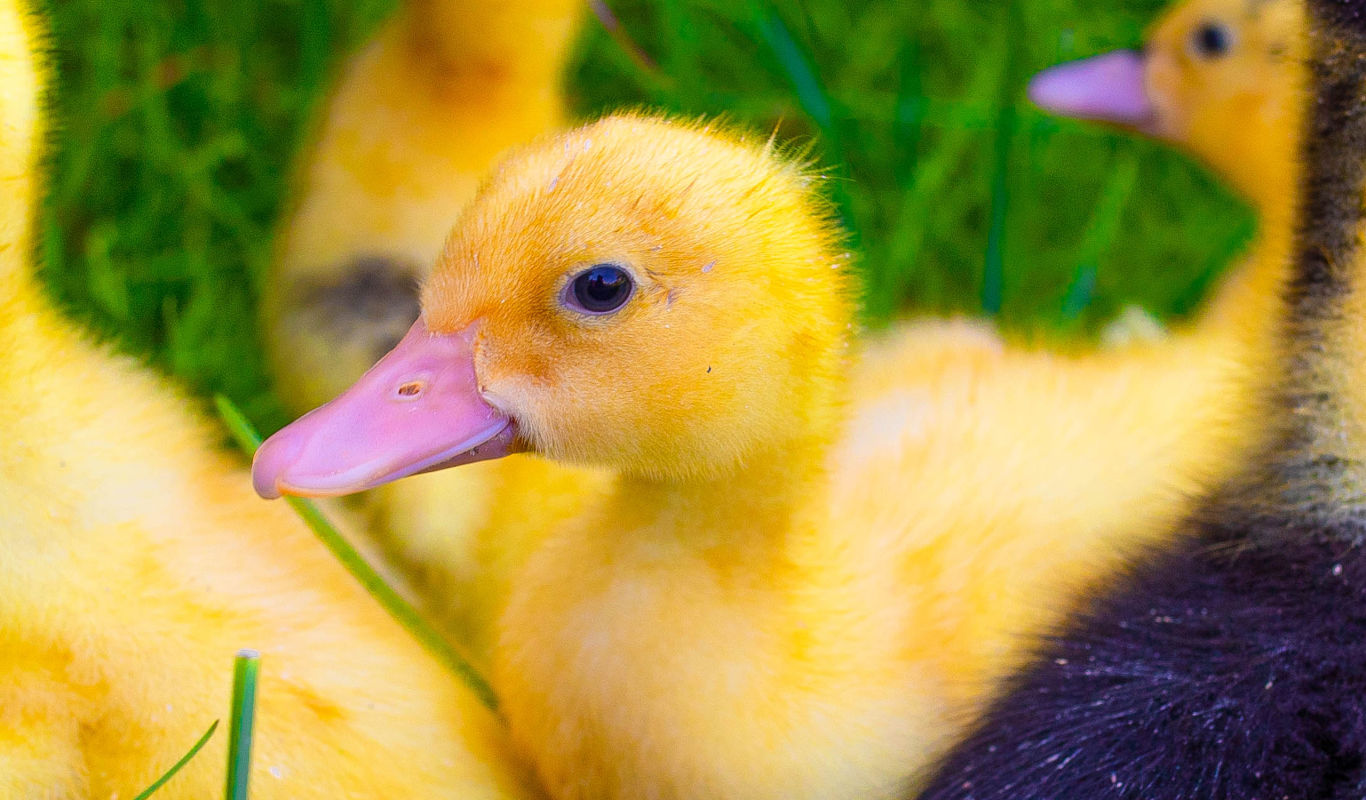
[600, 289]
[1212, 40]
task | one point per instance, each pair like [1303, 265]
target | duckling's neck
[781, 472]
[1250, 296]
[753, 504]
[1315, 469]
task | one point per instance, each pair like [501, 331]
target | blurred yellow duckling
[1219, 79]
[415, 120]
[134, 563]
[414, 123]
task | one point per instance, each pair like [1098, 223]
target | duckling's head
[1218, 78]
[664, 299]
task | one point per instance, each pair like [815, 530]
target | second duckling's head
[1216, 77]
[664, 299]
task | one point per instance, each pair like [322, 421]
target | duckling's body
[1231, 665]
[134, 564]
[1203, 674]
[414, 123]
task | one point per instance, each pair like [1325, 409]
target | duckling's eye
[1212, 40]
[600, 289]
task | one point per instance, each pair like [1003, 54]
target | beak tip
[264, 485]
[270, 463]
[1038, 90]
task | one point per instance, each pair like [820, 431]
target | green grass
[175, 768]
[245, 675]
[176, 122]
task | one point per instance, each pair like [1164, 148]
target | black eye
[600, 289]
[1212, 40]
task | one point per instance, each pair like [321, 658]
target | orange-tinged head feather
[733, 340]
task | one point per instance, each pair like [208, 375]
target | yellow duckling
[687, 634]
[770, 599]
[413, 125]
[134, 563]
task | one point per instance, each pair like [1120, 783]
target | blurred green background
[176, 123]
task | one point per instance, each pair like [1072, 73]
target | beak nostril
[411, 389]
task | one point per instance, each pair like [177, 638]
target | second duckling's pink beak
[1109, 87]
[417, 410]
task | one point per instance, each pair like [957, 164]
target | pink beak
[1108, 87]
[418, 409]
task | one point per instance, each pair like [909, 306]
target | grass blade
[401, 610]
[1103, 228]
[993, 267]
[1080, 292]
[1100, 235]
[244, 674]
[909, 118]
[1213, 267]
[185, 759]
[647, 72]
[797, 65]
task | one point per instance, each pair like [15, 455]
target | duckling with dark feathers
[1232, 664]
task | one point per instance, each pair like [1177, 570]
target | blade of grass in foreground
[248, 439]
[797, 65]
[244, 674]
[185, 759]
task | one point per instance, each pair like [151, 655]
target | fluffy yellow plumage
[413, 125]
[798, 583]
[134, 562]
